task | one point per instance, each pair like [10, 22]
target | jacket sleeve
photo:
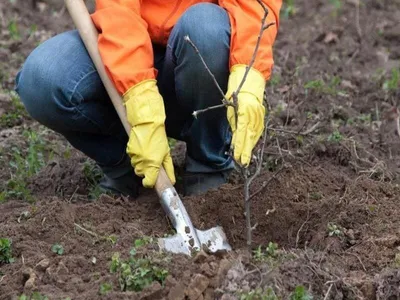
[245, 17]
[124, 43]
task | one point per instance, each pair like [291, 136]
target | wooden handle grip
[83, 22]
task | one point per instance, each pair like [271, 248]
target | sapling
[259, 155]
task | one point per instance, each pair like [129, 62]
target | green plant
[335, 137]
[6, 251]
[14, 30]
[393, 83]
[334, 230]
[288, 9]
[93, 175]
[258, 294]
[275, 80]
[34, 296]
[337, 5]
[320, 86]
[57, 249]
[317, 85]
[269, 252]
[300, 293]
[15, 113]
[365, 118]
[136, 273]
[24, 163]
[143, 241]
[105, 288]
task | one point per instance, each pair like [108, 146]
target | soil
[328, 194]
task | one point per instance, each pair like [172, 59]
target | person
[162, 82]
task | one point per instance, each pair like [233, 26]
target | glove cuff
[144, 103]
[254, 84]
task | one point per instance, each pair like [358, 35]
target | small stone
[201, 297]
[197, 286]
[30, 277]
[30, 283]
[177, 292]
[200, 257]
[350, 234]
[43, 264]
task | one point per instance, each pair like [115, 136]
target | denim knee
[45, 84]
[208, 26]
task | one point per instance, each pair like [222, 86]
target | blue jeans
[62, 90]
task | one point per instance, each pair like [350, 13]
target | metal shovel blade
[212, 240]
[188, 239]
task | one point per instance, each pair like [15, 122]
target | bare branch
[200, 111]
[253, 59]
[187, 39]
[304, 133]
[266, 183]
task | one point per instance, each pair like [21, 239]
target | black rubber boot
[195, 184]
[121, 180]
[128, 185]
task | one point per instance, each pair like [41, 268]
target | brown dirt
[352, 183]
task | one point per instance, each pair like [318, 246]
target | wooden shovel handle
[83, 22]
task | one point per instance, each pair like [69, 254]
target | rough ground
[331, 176]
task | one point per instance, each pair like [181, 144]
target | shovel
[187, 239]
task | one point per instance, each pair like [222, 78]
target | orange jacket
[127, 29]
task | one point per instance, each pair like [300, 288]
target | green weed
[258, 294]
[34, 296]
[268, 252]
[93, 175]
[316, 196]
[14, 30]
[32, 29]
[136, 273]
[300, 293]
[337, 6]
[275, 80]
[320, 86]
[335, 137]
[6, 251]
[392, 83]
[24, 164]
[57, 249]
[288, 9]
[334, 230]
[14, 114]
[105, 288]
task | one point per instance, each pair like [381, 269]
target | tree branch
[187, 39]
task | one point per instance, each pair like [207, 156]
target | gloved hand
[251, 112]
[148, 144]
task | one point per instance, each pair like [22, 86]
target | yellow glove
[251, 112]
[148, 144]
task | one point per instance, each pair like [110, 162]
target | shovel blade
[212, 240]
[175, 244]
